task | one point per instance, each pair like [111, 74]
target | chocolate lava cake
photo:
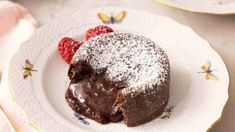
[119, 76]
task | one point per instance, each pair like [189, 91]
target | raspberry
[67, 48]
[92, 32]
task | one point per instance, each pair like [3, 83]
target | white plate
[203, 6]
[198, 102]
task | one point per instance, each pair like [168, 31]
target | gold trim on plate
[7, 118]
[34, 126]
[228, 100]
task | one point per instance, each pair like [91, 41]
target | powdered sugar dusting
[126, 57]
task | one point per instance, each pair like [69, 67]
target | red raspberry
[67, 48]
[92, 32]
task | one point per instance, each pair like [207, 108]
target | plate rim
[178, 7]
[33, 125]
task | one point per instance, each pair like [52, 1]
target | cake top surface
[126, 57]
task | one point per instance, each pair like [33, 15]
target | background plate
[203, 6]
[198, 102]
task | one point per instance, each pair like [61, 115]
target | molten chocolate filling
[96, 94]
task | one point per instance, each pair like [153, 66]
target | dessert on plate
[119, 76]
